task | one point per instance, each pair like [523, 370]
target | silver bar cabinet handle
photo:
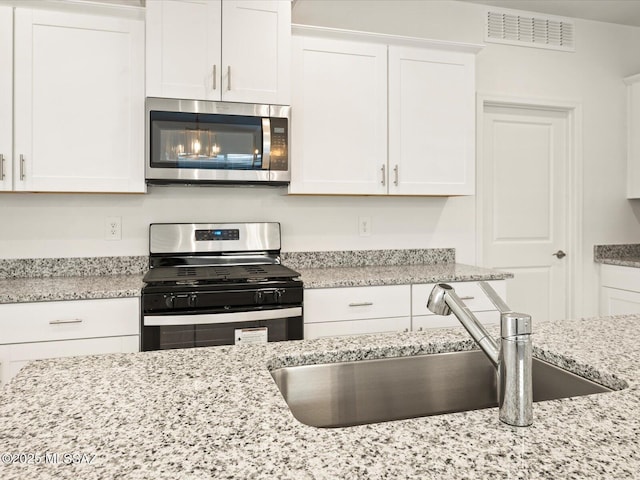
[215, 85]
[395, 171]
[22, 169]
[2, 167]
[63, 322]
[361, 304]
[229, 77]
[384, 174]
[467, 298]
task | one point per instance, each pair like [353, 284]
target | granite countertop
[624, 255]
[396, 275]
[43, 289]
[216, 413]
[50, 279]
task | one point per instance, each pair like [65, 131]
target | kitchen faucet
[512, 358]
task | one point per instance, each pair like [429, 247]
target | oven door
[162, 332]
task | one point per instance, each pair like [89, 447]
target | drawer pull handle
[467, 298]
[62, 322]
[361, 304]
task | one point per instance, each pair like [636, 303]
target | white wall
[51, 225]
[67, 225]
[592, 76]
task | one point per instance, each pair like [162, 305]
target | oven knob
[259, 298]
[169, 300]
[192, 300]
[277, 295]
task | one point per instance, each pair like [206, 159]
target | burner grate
[186, 272]
[220, 273]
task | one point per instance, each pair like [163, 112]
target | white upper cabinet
[78, 95]
[231, 50]
[184, 49]
[431, 122]
[381, 115]
[633, 139]
[6, 98]
[339, 126]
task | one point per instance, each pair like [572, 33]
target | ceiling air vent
[554, 33]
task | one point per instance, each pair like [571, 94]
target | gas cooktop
[219, 273]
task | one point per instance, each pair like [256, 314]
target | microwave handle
[266, 143]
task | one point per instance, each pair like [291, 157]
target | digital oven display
[226, 234]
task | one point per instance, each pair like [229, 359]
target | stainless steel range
[218, 284]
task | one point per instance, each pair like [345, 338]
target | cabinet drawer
[354, 303]
[424, 322]
[470, 292]
[624, 278]
[50, 321]
[357, 327]
[614, 301]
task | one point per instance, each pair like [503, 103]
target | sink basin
[371, 391]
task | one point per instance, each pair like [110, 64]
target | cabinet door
[6, 98]
[256, 51]
[14, 357]
[79, 102]
[339, 117]
[431, 122]
[633, 140]
[357, 327]
[614, 301]
[183, 49]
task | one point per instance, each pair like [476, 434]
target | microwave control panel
[279, 147]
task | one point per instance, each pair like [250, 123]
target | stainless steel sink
[371, 391]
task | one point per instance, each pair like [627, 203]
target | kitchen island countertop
[216, 413]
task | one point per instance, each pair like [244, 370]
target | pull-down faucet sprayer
[512, 357]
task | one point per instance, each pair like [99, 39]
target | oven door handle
[209, 318]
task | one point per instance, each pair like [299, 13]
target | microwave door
[266, 143]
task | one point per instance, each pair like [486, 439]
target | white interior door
[524, 172]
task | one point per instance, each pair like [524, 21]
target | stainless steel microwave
[199, 142]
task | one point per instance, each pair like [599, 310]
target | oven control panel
[217, 234]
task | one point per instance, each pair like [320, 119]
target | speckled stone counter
[384, 267]
[51, 279]
[627, 255]
[18, 290]
[215, 413]
[396, 275]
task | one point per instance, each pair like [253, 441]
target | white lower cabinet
[469, 292]
[35, 331]
[619, 290]
[330, 312]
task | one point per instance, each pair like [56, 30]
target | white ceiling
[624, 12]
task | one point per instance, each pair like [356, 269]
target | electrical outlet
[113, 228]
[364, 226]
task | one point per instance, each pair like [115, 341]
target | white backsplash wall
[49, 225]
[73, 225]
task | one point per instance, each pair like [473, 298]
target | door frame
[574, 282]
